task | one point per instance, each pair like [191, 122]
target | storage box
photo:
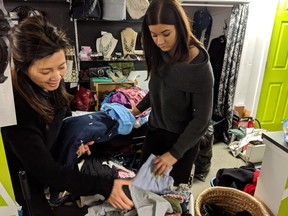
[253, 153]
[114, 10]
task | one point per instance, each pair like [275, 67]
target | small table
[272, 184]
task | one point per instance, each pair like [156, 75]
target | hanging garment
[216, 52]
[202, 20]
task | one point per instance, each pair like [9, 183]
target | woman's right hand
[118, 198]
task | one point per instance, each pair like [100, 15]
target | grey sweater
[181, 98]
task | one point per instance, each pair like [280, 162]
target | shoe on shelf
[112, 75]
[122, 78]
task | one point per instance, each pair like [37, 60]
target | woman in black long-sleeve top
[41, 102]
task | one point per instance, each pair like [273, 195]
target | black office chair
[25, 190]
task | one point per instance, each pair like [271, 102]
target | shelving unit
[89, 29]
[102, 89]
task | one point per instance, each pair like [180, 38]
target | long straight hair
[168, 12]
[32, 39]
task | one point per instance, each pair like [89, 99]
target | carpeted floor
[222, 158]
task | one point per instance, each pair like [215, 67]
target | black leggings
[160, 141]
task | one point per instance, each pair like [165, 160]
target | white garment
[137, 9]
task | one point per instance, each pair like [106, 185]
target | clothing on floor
[251, 187]
[235, 177]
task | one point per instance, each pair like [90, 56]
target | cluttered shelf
[133, 64]
[103, 88]
[111, 21]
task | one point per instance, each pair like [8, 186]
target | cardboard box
[240, 110]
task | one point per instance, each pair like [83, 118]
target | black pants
[160, 141]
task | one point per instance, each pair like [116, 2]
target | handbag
[81, 9]
[83, 100]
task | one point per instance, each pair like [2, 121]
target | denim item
[124, 117]
[96, 126]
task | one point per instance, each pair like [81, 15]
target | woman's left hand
[84, 149]
[163, 163]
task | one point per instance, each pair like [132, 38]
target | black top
[181, 98]
[31, 145]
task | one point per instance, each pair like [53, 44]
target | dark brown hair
[32, 39]
[168, 12]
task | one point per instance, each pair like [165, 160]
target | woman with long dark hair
[180, 90]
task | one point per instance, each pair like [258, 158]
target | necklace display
[128, 38]
[106, 45]
[129, 48]
[105, 49]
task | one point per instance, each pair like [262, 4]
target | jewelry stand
[128, 39]
[106, 45]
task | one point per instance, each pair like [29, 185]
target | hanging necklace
[130, 48]
[105, 49]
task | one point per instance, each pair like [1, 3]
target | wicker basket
[232, 200]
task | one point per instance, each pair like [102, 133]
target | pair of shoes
[112, 75]
[121, 77]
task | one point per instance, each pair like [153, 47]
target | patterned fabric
[232, 56]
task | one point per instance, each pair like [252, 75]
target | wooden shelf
[103, 89]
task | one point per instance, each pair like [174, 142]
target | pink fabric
[134, 95]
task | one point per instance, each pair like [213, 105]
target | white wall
[255, 51]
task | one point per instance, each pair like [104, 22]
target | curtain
[231, 62]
